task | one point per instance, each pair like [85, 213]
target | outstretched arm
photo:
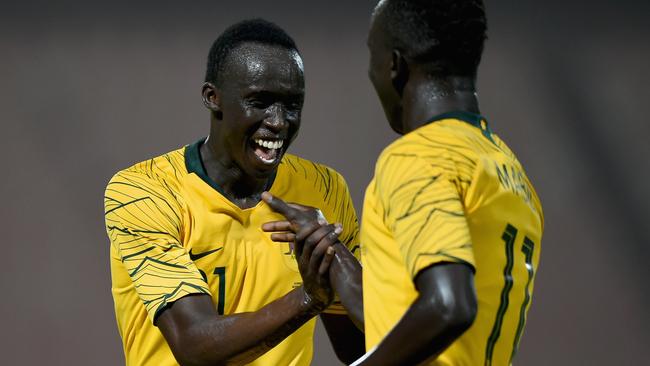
[444, 309]
[197, 335]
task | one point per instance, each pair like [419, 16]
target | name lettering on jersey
[514, 180]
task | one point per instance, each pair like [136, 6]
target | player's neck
[426, 97]
[241, 189]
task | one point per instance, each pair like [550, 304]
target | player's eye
[258, 103]
[294, 104]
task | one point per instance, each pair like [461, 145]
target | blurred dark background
[87, 89]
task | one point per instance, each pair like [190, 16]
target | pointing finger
[279, 206]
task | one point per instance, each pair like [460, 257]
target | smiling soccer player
[194, 280]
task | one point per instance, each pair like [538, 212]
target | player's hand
[284, 231]
[313, 239]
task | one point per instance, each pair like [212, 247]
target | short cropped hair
[446, 34]
[253, 31]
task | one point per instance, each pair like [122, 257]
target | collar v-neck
[194, 164]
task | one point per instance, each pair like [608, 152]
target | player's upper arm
[144, 225]
[424, 210]
[448, 290]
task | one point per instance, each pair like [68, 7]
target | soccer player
[452, 227]
[194, 279]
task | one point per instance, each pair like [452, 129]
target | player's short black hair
[251, 30]
[446, 34]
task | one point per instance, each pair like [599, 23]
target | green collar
[194, 164]
[473, 119]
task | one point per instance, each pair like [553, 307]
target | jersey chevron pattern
[452, 191]
[173, 234]
[144, 224]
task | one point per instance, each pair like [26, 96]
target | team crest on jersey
[289, 256]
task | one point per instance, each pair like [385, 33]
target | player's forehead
[255, 61]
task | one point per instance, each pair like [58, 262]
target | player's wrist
[311, 304]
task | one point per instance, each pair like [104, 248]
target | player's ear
[399, 71]
[211, 99]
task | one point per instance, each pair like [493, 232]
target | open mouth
[268, 151]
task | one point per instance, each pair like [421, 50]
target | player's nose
[276, 119]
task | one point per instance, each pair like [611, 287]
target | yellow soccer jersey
[173, 234]
[451, 191]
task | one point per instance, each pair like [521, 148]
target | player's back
[504, 219]
[506, 223]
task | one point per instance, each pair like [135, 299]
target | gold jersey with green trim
[173, 234]
[452, 191]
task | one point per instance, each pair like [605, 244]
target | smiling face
[260, 101]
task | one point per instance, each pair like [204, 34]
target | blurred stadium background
[87, 89]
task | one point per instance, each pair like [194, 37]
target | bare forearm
[240, 338]
[410, 343]
[345, 276]
[444, 309]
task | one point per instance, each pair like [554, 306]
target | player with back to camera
[451, 229]
[194, 279]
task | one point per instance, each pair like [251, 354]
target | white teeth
[270, 144]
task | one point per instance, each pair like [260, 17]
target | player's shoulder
[169, 165]
[161, 173]
[318, 185]
[302, 169]
[448, 134]
[431, 143]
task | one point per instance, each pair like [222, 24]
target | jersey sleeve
[144, 225]
[423, 210]
[343, 212]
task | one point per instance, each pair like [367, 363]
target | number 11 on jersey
[509, 236]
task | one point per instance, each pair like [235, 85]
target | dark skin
[443, 303]
[261, 98]
[306, 228]
[410, 93]
[446, 304]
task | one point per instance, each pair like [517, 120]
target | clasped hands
[313, 239]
